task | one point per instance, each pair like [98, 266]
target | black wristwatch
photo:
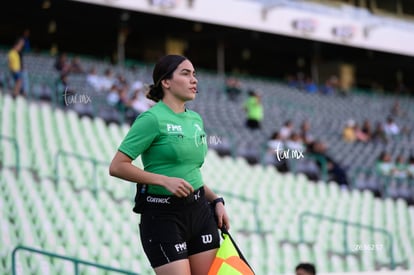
[220, 199]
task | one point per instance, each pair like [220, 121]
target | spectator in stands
[359, 134]
[410, 167]
[76, 66]
[348, 133]
[295, 142]
[137, 105]
[254, 110]
[62, 65]
[385, 165]
[121, 82]
[178, 228]
[106, 81]
[331, 86]
[400, 169]
[274, 145]
[397, 111]
[336, 172]
[15, 67]
[379, 133]
[62, 90]
[26, 49]
[140, 103]
[291, 81]
[391, 128]
[26, 39]
[118, 98]
[93, 78]
[233, 88]
[305, 269]
[310, 86]
[305, 134]
[286, 130]
[367, 129]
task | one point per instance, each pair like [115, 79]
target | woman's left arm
[222, 218]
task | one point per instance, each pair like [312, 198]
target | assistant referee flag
[229, 259]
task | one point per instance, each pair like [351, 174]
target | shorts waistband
[168, 201]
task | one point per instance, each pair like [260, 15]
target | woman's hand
[222, 218]
[179, 187]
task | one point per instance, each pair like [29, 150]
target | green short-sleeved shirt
[254, 108]
[171, 144]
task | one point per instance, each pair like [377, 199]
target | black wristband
[220, 199]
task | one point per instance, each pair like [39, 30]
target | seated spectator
[64, 93]
[76, 66]
[305, 134]
[62, 65]
[113, 98]
[139, 102]
[396, 110]
[93, 79]
[107, 81]
[291, 81]
[360, 135]
[286, 130]
[233, 88]
[366, 129]
[400, 170]
[274, 145]
[295, 142]
[385, 165]
[410, 167]
[336, 172]
[331, 86]
[379, 133]
[121, 82]
[348, 133]
[391, 128]
[310, 86]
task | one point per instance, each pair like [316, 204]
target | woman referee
[178, 229]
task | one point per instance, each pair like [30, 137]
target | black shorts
[253, 124]
[173, 228]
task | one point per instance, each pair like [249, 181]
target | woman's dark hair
[308, 267]
[163, 70]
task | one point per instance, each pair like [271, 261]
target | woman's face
[183, 84]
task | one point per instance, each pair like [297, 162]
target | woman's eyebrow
[187, 70]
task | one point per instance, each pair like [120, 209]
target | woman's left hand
[222, 218]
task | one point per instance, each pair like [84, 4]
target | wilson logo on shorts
[207, 238]
[229, 259]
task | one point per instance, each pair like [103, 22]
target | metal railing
[95, 163]
[382, 182]
[76, 262]
[347, 224]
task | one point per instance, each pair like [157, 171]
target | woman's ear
[165, 83]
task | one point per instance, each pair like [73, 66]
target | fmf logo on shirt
[174, 128]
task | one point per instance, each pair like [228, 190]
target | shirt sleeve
[140, 136]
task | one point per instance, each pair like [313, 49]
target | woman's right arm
[122, 167]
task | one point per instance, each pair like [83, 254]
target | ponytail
[155, 93]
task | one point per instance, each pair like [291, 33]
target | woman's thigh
[180, 267]
[200, 263]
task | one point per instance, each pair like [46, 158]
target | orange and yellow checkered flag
[229, 259]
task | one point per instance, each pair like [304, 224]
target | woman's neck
[177, 106]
